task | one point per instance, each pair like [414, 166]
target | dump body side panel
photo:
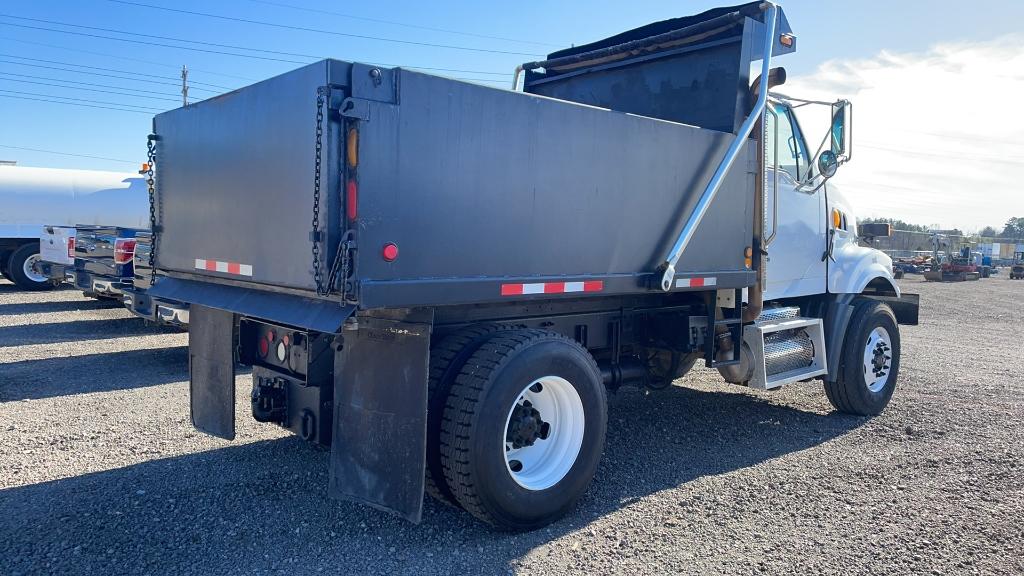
[473, 182]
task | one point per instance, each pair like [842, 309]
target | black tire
[850, 392]
[446, 360]
[17, 274]
[4, 259]
[475, 417]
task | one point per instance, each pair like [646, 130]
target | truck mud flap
[906, 307]
[211, 365]
[378, 449]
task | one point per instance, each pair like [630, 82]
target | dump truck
[442, 281]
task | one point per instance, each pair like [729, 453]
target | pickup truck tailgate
[57, 245]
[95, 248]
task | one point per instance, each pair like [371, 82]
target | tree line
[1013, 229]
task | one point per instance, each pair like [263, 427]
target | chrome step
[779, 313]
[785, 349]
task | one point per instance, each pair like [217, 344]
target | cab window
[791, 148]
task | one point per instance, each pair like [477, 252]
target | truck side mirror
[841, 131]
[828, 163]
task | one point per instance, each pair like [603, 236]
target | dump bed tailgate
[235, 179]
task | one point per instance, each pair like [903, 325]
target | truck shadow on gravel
[53, 377]
[58, 306]
[263, 506]
[79, 330]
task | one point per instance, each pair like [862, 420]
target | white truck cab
[810, 227]
[830, 304]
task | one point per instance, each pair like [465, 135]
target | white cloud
[938, 135]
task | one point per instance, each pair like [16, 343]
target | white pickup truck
[32, 199]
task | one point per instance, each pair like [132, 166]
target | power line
[62, 97]
[121, 57]
[78, 86]
[394, 23]
[74, 104]
[85, 89]
[143, 41]
[322, 31]
[67, 154]
[482, 80]
[32, 65]
[202, 43]
[110, 70]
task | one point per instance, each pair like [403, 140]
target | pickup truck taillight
[124, 250]
[71, 247]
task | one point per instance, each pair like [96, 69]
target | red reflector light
[264, 347]
[124, 250]
[351, 199]
[71, 247]
[390, 252]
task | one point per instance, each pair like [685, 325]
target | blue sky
[827, 31]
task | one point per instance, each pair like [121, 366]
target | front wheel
[870, 361]
[23, 269]
[523, 428]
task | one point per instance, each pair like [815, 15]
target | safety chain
[151, 184]
[340, 267]
[315, 236]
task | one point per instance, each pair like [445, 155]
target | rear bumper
[155, 309]
[313, 314]
[58, 273]
[100, 285]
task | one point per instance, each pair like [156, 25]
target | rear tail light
[351, 199]
[124, 250]
[71, 247]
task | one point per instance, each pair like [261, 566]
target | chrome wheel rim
[543, 433]
[31, 271]
[877, 359]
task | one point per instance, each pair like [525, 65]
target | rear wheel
[446, 360]
[870, 361]
[23, 269]
[523, 428]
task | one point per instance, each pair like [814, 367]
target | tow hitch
[270, 399]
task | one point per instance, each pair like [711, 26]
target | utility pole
[184, 85]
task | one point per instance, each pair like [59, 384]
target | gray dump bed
[487, 193]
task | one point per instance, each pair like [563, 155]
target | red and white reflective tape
[696, 282]
[225, 267]
[552, 288]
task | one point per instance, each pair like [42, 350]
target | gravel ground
[102, 473]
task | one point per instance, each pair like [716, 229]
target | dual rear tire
[516, 424]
